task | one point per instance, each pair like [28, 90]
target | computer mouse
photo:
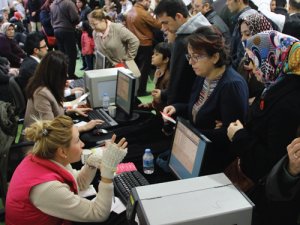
[99, 131]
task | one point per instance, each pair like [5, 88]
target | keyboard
[77, 83]
[102, 115]
[125, 181]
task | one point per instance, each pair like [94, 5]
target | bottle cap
[147, 150]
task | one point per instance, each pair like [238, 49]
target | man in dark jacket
[174, 16]
[206, 8]
[292, 21]
[36, 49]
[64, 18]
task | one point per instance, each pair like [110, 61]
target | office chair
[19, 100]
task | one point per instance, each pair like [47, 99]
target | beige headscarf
[5, 26]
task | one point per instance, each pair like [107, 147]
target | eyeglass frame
[194, 57]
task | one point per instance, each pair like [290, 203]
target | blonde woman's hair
[49, 135]
[98, 14]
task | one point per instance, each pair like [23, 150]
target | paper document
[74, 104]
[117, 206]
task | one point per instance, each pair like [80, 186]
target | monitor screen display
[188, 150]
[125, 91]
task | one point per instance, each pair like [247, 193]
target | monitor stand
[122, 117]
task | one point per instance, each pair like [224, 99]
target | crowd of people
[237, 82]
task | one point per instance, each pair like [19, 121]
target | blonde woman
[44, 187]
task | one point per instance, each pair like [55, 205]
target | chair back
[19, 99]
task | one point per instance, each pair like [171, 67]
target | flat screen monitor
[125, 95]
[188, 150]
[100, 61]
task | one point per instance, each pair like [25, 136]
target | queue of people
[202, 75]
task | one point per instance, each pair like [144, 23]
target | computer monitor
[188, 150]
[100, 61]
[125, 96]
[98, 82]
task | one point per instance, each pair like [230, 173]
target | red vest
[31, 172]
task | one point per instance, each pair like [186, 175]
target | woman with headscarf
[249, 26]
[9, 47]
[275, 116]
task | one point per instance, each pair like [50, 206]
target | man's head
[172, 14]
[144, 3]
[202, 6]
[294, 6]
[35, 45]
[236, 6]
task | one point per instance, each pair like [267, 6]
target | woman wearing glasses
[219, 93]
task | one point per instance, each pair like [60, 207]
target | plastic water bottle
[148, 162]
[105, 101]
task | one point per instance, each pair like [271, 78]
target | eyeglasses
[195, 57]
[44, 46]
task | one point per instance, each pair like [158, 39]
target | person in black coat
[274, 117]
[219, 94]
[9, 48]
[36, 49]
[283, 184]
[292, 21]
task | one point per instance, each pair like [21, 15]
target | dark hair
[51, 73]
[210, 40]
[164, 49]
[280, 3]
[86, 27]
[32, 41]
[171, 7]
[294, 3]
[46, 5]
[84, 2]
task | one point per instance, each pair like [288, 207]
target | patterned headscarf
[257, 23]
[274, 54]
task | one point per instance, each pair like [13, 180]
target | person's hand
[94, 160]
[169, 110]
[219, 124]
[33, 14]
[112, 156]
[156, 94]
[73, 90]
[294, 157]
[144, 105]
[90, 125]
[13, 72]
[81, 111]
[233, 128]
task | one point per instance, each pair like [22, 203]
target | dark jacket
[182, 74]
[283, 190]
[10, 50]
[34, 6]
[27, 69]
[4, 79]
[64, 15]
[84, 13]
[46, 22]
[271, 126]
[227, 103]
[216, 20]
[292, 25]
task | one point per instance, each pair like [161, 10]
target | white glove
[112, 156]
[94, 160]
